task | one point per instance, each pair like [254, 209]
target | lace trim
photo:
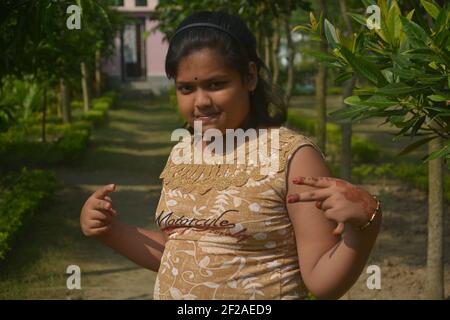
[201, 178]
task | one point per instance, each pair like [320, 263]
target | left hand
[340, 200]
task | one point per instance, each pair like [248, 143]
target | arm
[98, 220]
[329, 264]
[143, 247]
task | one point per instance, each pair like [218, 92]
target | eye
[184, 89]
[216, 85]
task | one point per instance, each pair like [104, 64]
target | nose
[202, 99]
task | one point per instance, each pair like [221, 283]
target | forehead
[201, 65]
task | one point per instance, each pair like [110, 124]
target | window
[141, 3]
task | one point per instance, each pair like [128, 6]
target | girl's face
[210, 92]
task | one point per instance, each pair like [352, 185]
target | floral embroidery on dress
[230, 237]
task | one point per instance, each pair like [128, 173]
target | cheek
[234, 103]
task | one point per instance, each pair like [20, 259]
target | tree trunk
[259, 39]
[321, 91]
[346, 143]
[85, 86]
[65, 101]
[275, 48]
[44, 113]
[58, 102]
[267, 51]
[434, 287]
[98, 73]
[291, 56]
[348, 24]
[321, 105]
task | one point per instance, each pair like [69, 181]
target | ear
[252, 77]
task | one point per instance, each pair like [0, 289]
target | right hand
[97, 214]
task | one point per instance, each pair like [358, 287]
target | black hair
[267, 107]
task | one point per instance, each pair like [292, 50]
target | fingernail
[297, 180]
[291, 199]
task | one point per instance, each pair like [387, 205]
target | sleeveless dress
[229, 232]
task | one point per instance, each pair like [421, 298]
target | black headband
[205, 24]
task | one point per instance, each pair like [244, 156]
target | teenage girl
[228, 231]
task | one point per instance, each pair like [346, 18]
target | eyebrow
[212, 78]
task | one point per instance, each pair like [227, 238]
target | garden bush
[21, 145]
[21, 196]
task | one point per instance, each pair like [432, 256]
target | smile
[208, 117]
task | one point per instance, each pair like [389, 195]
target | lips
[206, 115]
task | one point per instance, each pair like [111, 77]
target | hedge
[22, 195]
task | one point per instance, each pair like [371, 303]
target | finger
[102, 205]
[339, 229]
[313, 195]
[319, 205]
[103, 191]
[94, 224]
[107, 198]
[319, 182]
[324, 205]
[103, 215]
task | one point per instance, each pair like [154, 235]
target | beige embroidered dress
[230, 236]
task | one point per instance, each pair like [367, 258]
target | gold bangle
[373, 215]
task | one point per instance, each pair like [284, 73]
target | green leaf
[394, 24]
[358, 18]
[331, 35]
[343, 77]
[437, 98]
[417, 125]
[410, 15]
[424, 55]
[415, 145]
[441, 22]
[396, 89]
[443, 153]
[365, 92]
[429, 79]
[431, 8]
[364, 68]
[301, 28]
[321, 56]
[416, 35]
[312, 19]
[373, 101]
[348, 112]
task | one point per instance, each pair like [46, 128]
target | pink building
[138, 58]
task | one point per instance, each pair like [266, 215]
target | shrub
[364, 151]
[97, 117]
[334, 90]
[22, 196]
